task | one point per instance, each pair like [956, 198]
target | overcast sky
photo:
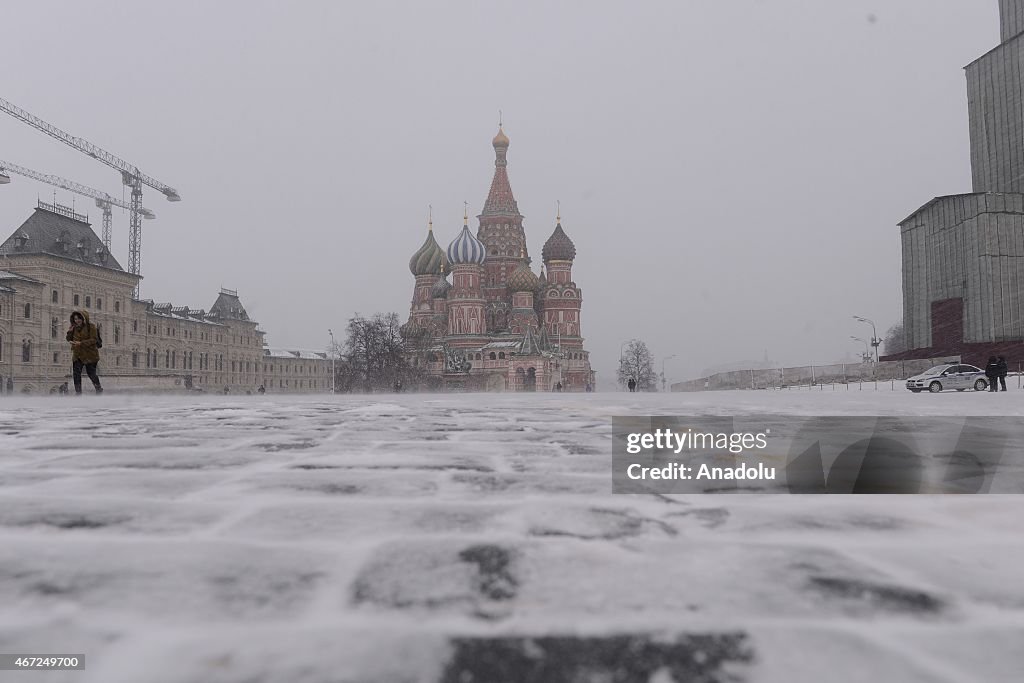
[732, 173]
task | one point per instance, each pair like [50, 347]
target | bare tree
[376, 356]
[895, 339]
[637, 363]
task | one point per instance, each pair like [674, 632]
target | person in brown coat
[85, 352]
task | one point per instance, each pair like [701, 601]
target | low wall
[843, 373]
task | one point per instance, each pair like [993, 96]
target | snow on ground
[474, 539]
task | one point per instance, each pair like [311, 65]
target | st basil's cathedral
[497, 325]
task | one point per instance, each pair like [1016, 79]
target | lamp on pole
[663, 381]
[334, 352]
[875, 341]
[866, 356]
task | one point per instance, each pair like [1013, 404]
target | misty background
[732, 173]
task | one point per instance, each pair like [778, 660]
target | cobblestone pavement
[474, 539]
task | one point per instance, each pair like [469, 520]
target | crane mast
[103, 200]
[131, 176]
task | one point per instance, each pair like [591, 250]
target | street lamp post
[663, 381]
[875, 341]
[334, 352]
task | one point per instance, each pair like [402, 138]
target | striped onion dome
[522, 279]
[429, 258]
[440, 288]
[466, 249]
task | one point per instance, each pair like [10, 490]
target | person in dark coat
[1003, 369]
[631, 384]
[992, 373]
[85, 352]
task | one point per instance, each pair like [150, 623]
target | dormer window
[21, 241]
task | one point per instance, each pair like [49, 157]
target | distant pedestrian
[631, 384]
[558, 386]
[1003, 370]
[262, 390]
[992, 373]
[590, 387]
[227, 390]
[85, 352]
[63, 389]
[10, 386]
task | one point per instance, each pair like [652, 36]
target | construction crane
[131, 176]
[103, 200]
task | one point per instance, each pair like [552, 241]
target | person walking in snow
[1003, 370]
[992, 373]
[631, 384]
[85, 352]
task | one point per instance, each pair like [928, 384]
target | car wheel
[935, 387]
[980, 385]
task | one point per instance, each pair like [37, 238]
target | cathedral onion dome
[500, 140]
[522, 279]
[558, 247]
[429, 258]
[466, 249]
[440, 288]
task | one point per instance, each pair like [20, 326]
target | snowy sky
[731, 172]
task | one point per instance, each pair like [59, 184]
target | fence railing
[813, 375]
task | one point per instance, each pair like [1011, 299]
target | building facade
[55, 264]
[963, 255]
[497, 325]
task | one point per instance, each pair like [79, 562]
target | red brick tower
[562, 299]
[501, 231]
[523, 284]
[426, 265]
[466, 254]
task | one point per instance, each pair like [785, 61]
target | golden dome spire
[430, 218]
[500, 140]
[465, 214]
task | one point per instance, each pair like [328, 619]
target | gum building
[963, 255]
[496, 324]
[54, 264]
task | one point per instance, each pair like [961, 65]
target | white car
[949, 376]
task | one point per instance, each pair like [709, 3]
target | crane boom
[65, 184]
[103, 200]
[92, 150]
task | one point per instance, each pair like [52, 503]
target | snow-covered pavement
[474, 539]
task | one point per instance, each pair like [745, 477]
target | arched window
[26, 351]
[28, 310]
[75, 299]
[117, 307]
[117, 334]
[501, 355]
[88, 302]
[53, 328]
[99, 304]
[54, 296]
[492, 356]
